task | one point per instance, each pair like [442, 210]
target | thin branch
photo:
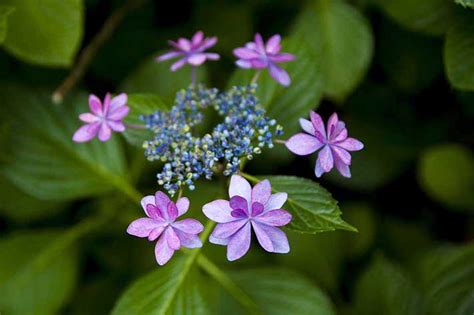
[89, 52]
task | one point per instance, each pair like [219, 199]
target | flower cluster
[243, 133]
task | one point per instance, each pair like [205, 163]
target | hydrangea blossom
[161, 224]
[258, 55]
[249, 208]
[192, 51]
[103, 118]
[334, 142]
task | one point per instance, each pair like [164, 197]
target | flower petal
[197, 38]
[273, 44]
[147, 200]
[208, 43]
[339, 154]
[118, 101]
[190, 226]
[88, 118]
[197, 59]
[163, 252]
[95, 104]
[142, 227]
[161, 202]
[284, 57]
[239, 186]
[318, 170]
[276, 201]
[104, 132]
[212, 56]
[188, 240]
[351, 144]
[259, 44]
[278, 237]
[262, 237]
[259, 63]
[183, 205]
[155, 233]
[172, 238]
[118, 113]
[277, 217]
[219, 241]
[106, 104]
[86, 132]
[307, 126]
[218, 211]
[332, 122]
[243, 64]
[239, 244]
[178, 64]
[154, 213]
[239, 203]
[280, 75]
[225, 230]
[246, 53]
[168, 55]
[184, 44]
[318, 126]
[262, 192]
[117, 126]
[343, 168]
[172, 211]
[326, 159]
[303, 144]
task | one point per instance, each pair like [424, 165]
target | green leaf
[446, 173]
[466, 3]
[279, 292]
[5, 11]
[447, 276]
[35, 279]
[385, 289]
[156, 77]
[47, 32]
[432, 17]
[142, 104]
[342, 38]
[459, 55]
[172, 289]
[44, 161]
[313, 208]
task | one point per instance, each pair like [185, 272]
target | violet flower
[103, 118]
[161, 224]
[258, 55]
[248, 208]
[191, 51]
[335, 144]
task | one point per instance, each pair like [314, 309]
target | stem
[255, 77]
[193, 75]
[228, 284]
[89, 52]
[279, 141]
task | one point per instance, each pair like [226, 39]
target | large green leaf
[433, 17]
[466, 3]
[313, 208]
[44, 161]
[5, 11]
[279, 292]
[459, 54]
[37, 273]
[385, 289]
[172, 289]
[446, 173]
[46, 32]
[447, 276]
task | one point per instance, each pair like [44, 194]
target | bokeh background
[399, 73]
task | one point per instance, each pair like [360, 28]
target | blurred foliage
[400, 73]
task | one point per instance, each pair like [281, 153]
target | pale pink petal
[307, 126]
[263, 237]
[244, 64]
[276, 201]
[262, 192]
[284, 57]
[259, 44]
[118, 101]
[155, 233]
[273, 44]
[219, 241]
[212, 56]
[106, 104]
[259, 63]
[118, 113]
[339, 135]
[88, 118]
[163, 252]
[172, 238]
[326, 159]
[339, 154]
[178, 64]
[172, 211]
[161, 202]
[278, 217]
[218, 211]
[95, 105]
[303, 144]
[239, 243]
[343, 168]
[142, 227]
[197, 59]
[183, 205]
[225, 230]
[190, 226]
[332, 122]
[189, 240]
[147, 200]
[245, 53]
[280, 75]
[318, 125]
[184, 44]
[155, 213]
[208, 43]
[318, 170]
[351, 144]
[86, 132]
[197, 38]
[168, 55]
[104, 132]
[278, 237]
[117, 126]
[239, 186]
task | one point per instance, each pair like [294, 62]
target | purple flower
[191, 51]
[258, 55]
[247, 208]
[160, 224]
[103, 118]
[335, 144]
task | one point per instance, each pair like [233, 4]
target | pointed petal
[172, 238]
[155, 233]
[88, 118]
[153, 212]
[318, 170]
[239, 244]
[168, 55]
[263, 237]
[118, 113]
[276, 201]
[104, 132]
[303, 144]
[172, 211]
[208, 43]
[343, 168]
[142, 227]
[326, 159]
[178, 64]
[246, 53]
[339, 154]
[307, 126]
[259, 44]
[332, 122]
[218, 211]
[95, 104]
[190, 226]
[278, 237]
[243, 64]
[197, 38]
[351, 144]
[184, 44]
[183, 205]
[212, 56]
[273, 44]
[278, 217]
[219, 241]
[280, 75]
[262, 192]
[118, 101]
[285, 57]
[189, 240]
[239, 203]
[197, 59]
[117, 126]
[318, 125]
[225, 230]
[161, 202]
[239, 186]
[163, 252]
[86, 132]
[106, 104]
[147, 200]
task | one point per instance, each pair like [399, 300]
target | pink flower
[160, 224]
[335, 144]
[103, 118]
[258, 55]
[248, 208]
[191, 51]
